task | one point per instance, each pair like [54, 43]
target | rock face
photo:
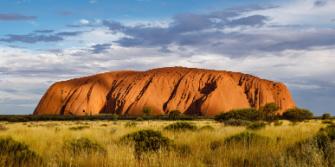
[191, 91]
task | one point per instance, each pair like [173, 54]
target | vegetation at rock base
[326, 116]
[181, 126]
[174, 114]
[297, 114]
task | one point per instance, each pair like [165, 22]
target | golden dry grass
[47, 140]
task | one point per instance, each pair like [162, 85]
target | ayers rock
[189, 90]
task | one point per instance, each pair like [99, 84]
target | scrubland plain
[100, 143]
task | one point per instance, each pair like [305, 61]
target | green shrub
[297, 114]
[270, 108]
[83, 145]
[242, 114]
[139, 119]
[180, 126]
[330, 131]
[146, 141]
[330, 122]
[256, 125]
[236, 122]
[277, 123]
[14, 153]
[147, 111]
[304, 153]
[207, 128]
[326, 116]
[269, 111]
[115, 117]
[174, 114]
[130, 124]
[246, 139]
[79, 127]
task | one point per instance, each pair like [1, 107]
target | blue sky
[43, 41]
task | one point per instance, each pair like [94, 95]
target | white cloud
[300, 12]
[84, 22]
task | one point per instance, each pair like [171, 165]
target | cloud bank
[283, 42]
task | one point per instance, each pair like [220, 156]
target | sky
[44, 41]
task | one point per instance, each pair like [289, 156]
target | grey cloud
[38, 36]
[255, 20]
[204, 32]
[116, 26]
[184, 30]
[44, 31]
[190, 29]
[73, 33]
[31, 38]
[15, 17]
[100, 48]
[320, 3]
[303, 41]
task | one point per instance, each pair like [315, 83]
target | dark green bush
[270, 107]
[303, 152]
[242, 114]
[256, 125]
[297, 114]
[14, 153]
[146, 141]
[130, 124]
[326, 116]
[115, 117]
[180, 126]
[139, 119]
[79, 127]
[277, 123]
[237, 122]
[147, 111]
[174, 114]
[207, 128]
[105, 125]
[330, 131]
[246, 139]
[83, 145]
[269, 111]
[330, 122]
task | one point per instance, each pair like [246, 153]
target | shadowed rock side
[191, 91]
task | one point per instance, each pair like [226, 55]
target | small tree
[297, 114]
[241, 114]
[174, 114]
[147, 111]
[269, 111]
[115, 117]
[146, 141]
[326, 116]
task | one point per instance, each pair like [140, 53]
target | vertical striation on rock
[189, 90]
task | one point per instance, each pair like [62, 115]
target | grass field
[49, 140]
